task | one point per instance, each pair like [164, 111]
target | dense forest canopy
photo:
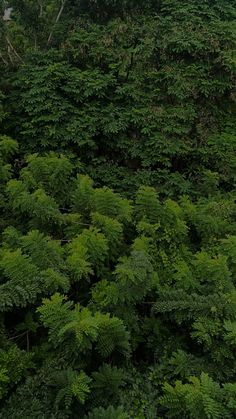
[118, 209]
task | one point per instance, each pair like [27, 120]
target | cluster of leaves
[146, 99]
[111, 307]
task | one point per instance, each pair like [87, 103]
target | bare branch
[10, 47]
[40, 8]
[18, 336]
[3, 59]
[27, 341]
[57, 19]
[9, 55]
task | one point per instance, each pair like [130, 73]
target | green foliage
[79, 328]
[133, 279]
[117, 291]
[82, 197]
[106, 386]
[52, 173]
[8, 148]
[23, 283]
[94, 244]
[201, 398]
[112, 230]
[109, 413]
[14, 364]
[140, 91]
[71, 385]
[142, 280]
[148, 205]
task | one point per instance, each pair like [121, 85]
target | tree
[117, 202]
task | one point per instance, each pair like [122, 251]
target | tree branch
[40, 8]
[18, 336]
[3, 59]
[56, 21]
[13, 49]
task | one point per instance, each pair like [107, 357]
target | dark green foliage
[141, 99]
[14, 364]
[200, 399]
[117, 209]
[109, 413]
